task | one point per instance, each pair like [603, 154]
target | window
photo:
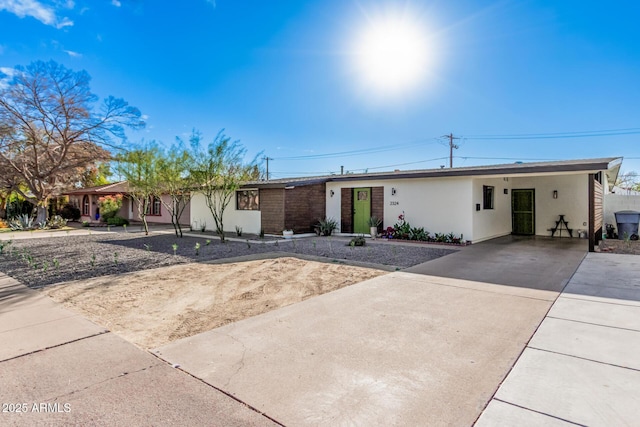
[247, 200]
[154, 206]
[487, 197]
[85, 205]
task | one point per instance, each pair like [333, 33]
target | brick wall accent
[377, 204]
[346, 210]
[272, 210]
[304, 206]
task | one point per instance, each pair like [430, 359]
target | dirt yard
[154, 307]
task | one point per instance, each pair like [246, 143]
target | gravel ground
[44, 261]
[615, 246]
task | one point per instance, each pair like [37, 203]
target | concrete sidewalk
[400, 349]
[57, 368]
[581, 366]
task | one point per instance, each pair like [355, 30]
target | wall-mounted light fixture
[555, 194]
[393, 191]
[331, 193]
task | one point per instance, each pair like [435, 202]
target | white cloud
[6, 74]
[73, 54]
[33, 8]
[116, 3]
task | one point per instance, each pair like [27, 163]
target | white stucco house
[480, 202]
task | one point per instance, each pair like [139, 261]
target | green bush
[70, 212]
[117, 220]
[109, 206]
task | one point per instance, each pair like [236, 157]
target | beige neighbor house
[87, 200]
[481, 202]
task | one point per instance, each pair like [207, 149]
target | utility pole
[451, 147]
[266, 158]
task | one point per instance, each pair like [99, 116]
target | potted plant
[374, 223]
[287, 234]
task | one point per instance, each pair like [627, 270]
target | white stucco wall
[439, 205]
[250, 221]
[572, 201]
[490, 223]
[617, 202]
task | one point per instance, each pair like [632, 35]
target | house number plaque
[394, 203]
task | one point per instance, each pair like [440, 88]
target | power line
[559, 135]
[379, 149]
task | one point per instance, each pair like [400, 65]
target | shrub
[56, 221]
[117, 220]
[357, 241]
[109, 206]
[326, 226]
[70, 212]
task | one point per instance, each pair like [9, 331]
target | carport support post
[592, 213]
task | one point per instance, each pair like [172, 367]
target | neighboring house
[480, 202]
[87, 200]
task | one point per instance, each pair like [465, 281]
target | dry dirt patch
[154, 307]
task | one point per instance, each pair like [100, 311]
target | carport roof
[609, 164]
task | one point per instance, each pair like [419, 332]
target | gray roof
[584, 165]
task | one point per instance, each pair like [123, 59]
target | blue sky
[283, 76]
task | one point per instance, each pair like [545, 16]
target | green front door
[361, 209]
[523, 211]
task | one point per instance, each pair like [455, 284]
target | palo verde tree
[175, 182]
[140, 168]
[218, 171]
[51, 130]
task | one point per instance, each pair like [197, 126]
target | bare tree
[629, 181]
[219, 171]
[50, 131]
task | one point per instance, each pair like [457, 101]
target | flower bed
[402, 230]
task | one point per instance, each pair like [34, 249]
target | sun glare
[391, 54]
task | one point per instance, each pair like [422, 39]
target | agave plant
[22, 222]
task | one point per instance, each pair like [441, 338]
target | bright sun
[391, 54]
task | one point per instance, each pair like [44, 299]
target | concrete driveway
[401, 349]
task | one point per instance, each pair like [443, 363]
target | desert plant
[86, 223]
[197, 248]
[175, 248]
[238, 231]
[93, 260]
[374, 221]
[147, 246]
[115, 258]
[56, 263]
[4, 244]
[22, 222]
[357, 241]
[326, 226]
[207, 242]
[56, 221]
